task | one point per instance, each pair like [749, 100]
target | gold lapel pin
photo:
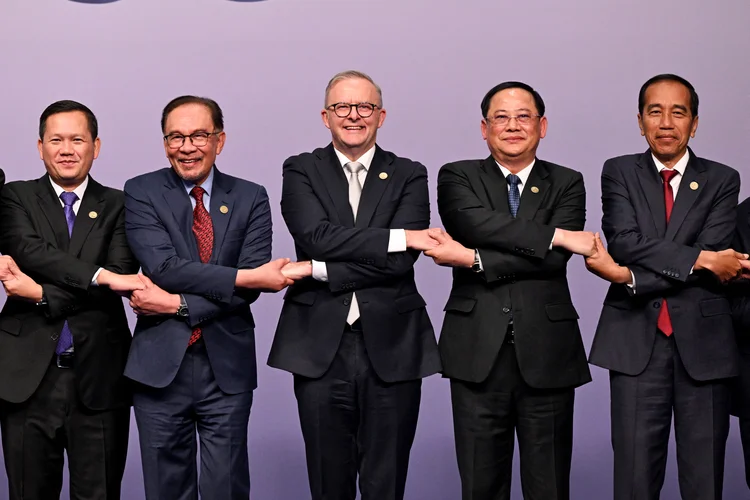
[223, 209]
[534, 189]
[693, 185]
[93, 215]
[383, 175]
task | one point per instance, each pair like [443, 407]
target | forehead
[353, 90]
[68, 123]
[512, 99]
[188, 118]
[667, 93]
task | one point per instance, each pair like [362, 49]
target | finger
[740, 256]
[745, 264]
[440, 237]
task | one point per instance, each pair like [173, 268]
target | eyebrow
[517, 110]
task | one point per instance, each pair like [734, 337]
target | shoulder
[462, 166]
[720, 170]
[307, 158]
[148, 180]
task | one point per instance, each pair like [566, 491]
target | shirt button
[347, 302]
[657, 305]
[506, 310]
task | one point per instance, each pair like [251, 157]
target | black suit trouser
[37, 433]
[353, 422]
[486, 417]
[642, 408]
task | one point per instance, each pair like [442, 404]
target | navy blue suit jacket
[158, 222]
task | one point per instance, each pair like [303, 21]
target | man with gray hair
[354, 330]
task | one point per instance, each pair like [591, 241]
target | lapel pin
[93, 215]
[693, 185]
[383, 175]
[534, 189]
[223, 209]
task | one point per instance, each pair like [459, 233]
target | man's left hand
[449, 252]
[17, 284]
[152, 300]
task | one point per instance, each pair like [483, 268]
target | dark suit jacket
[661, 257]
[740, 292]
[159, 222]
[522, 277]
[33, 231]
[398, 335]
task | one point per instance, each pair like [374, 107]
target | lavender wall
[267, 63]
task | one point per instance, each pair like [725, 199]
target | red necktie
[203, 229]
[664, 323]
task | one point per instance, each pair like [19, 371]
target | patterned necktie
[65, 342]
[514, 196]
[664, 322]
[355, 192]
[203, 229]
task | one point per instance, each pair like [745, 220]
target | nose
[666, 121]
[187, 146]
[513, 124]
[67, 148]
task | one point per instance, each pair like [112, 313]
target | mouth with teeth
[189, 162]
[354, 128]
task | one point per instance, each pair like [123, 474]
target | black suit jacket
[398, 335]
[522, 277]
[661, 256]
[33, 231]
[740, 292]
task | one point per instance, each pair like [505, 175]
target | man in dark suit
[203, 239]
[354, 331]
[510, 341]
[740, 293]
[665, 331]
[64, 336]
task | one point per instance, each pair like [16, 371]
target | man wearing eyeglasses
[203, 239]
[354, 330]
[510, 342]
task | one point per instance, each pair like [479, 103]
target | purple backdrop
[267, 64]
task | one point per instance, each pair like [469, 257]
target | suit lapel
[531, 198]
[179, 203]
[374, 186]
[335, 182]
[495, 185]
[221, 210]
[691, 186]
[53, 211]
[89, 211]
[651, 185]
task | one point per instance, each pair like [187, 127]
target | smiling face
[513, 128]
[353, 135]
[666, 121]
[67, 149]
[192, 163]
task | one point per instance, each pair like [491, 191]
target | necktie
[664, 322]
[203, 229]
[65, 342]
[355, 192]
[514, 196]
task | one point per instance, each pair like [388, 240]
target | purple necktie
[65, 341]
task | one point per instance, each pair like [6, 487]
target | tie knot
[197, 193]
[668, 174]
[354, 167]
[513, 179]
[68, 198]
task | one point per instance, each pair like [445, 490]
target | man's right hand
[422, 240]
[267, 277]
[579, 242]
[726, 264]
[122, 284]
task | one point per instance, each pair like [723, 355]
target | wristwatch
[182, 311]
[476, 266]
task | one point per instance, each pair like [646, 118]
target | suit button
[676, 275]
[506, 310]
[657, 305]
[55, 336]
[347, 302]
[665, 271]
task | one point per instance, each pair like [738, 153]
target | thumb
[279, 263]
[740, 256]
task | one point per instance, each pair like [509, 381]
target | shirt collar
[365, 159]
[679, 167]
[208, 184]
[523, 175]
[78, 191]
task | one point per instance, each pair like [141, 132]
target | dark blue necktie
[514, 196]
[65, 341]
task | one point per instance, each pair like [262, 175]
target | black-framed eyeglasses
[197, 139]
[344, 109]
[503, 120]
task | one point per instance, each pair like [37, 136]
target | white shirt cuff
[96, 275]
[479, 258]
[319, 271]
[632, 285]
[397, 241]
[552, 242]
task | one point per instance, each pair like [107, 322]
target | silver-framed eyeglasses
[502, 120]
